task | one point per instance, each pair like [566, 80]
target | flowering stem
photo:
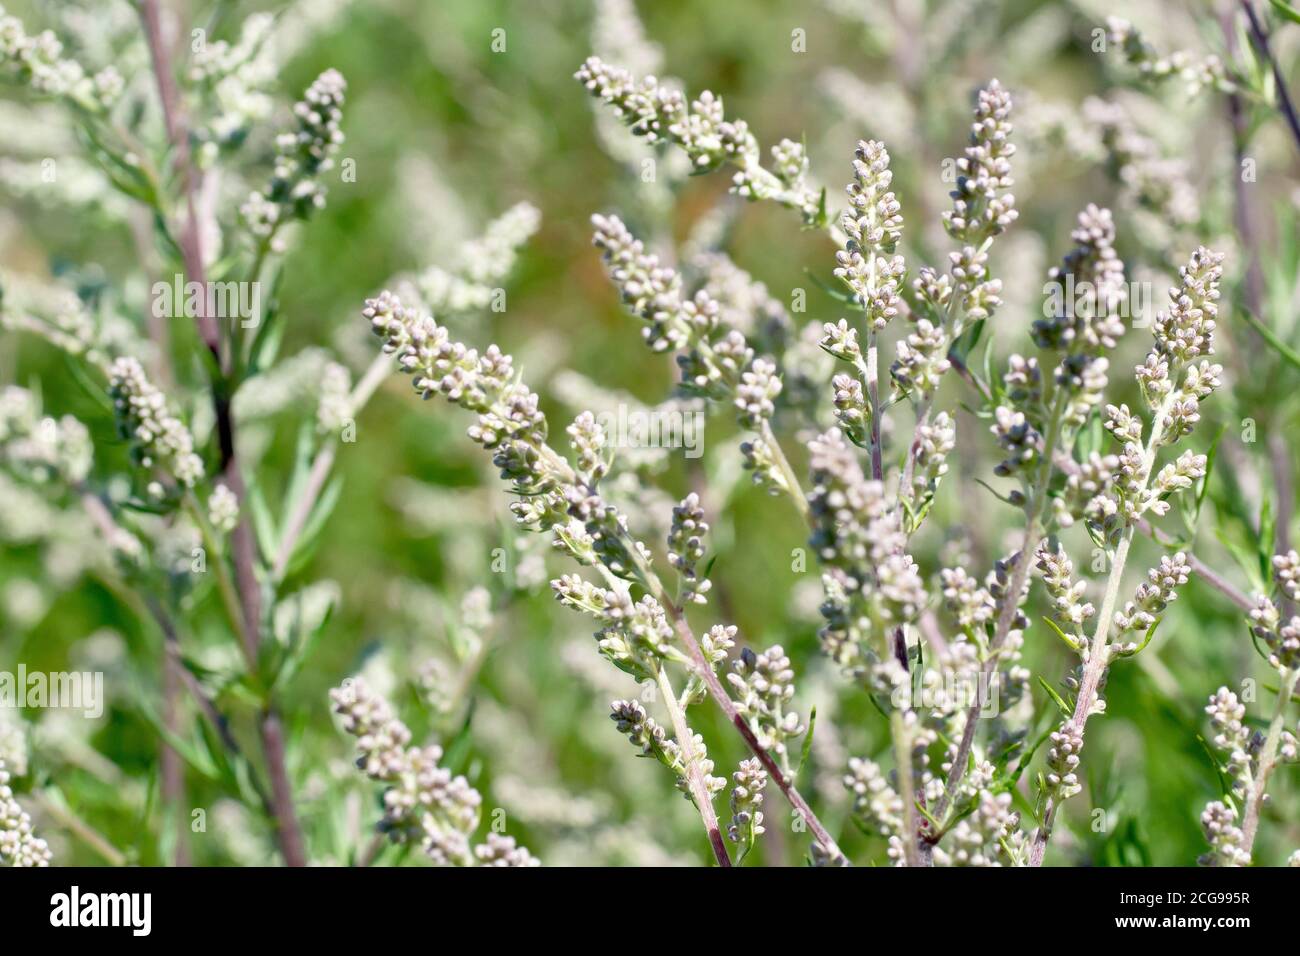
[1267, 761]
[1037, 510]
[1092, 674]
[728, 706]
[1095, 667]
[694, 773]
[1283, 97]
[909, 468]
[243, 549]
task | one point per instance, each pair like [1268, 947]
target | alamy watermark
[66, 690]
[239, 301]
[654, 428]
[1132, 301]
[955, 690]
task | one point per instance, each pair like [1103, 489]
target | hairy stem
[694, 773]
[1267, 761]
[903, 759]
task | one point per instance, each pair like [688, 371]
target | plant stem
[1283, 97]
[1037, 510]
[1267, 761]
[1093, 670]
[694, 773]
[243, 548]
[871, 373]
[1202, 570]
[906, 790]
[320, 469]
[79, 828]
[321, 465]
[787, 472]
[1095, 667]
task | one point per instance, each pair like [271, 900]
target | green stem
[903, 760]
[692, 769]
[1267, 761]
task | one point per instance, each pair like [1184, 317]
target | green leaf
[836, 294]
[268, 537]
[1285, 10]
[1289, 354]
[1065, 708]
[1069, 641]
[1264, 545]
[807, 743]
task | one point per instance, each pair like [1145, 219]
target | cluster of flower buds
[983, 208]
[1226, 839]
[480, 266]
[38, 62]
[39, 448]
[423, 803]
[223, 509]
[747, 802]
[1282, 638]
[635, 636]
[1061, 780]
[1173, 383]
[1153, 595]
[662, 114]
[652, 740]
[19, 846]
[686, 548]
[302, 156]
[990, 836]
[872, 226]
[875, 802]
[1206, 72]
[871, 581]
[764, 685]
[1231, 736]
[234, 78]
[715, 360]
[1067, 594]
[510, 424]
[158, 438]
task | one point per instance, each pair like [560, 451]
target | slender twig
[79, 828]
[1267, 761]
[1279, 457]
[320, 467]
[692, 769]
[1253, 287]
[1283, 97]
[1201, 570]
[871, 373]
[303, 507]
[787, 472]
[728, 706]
